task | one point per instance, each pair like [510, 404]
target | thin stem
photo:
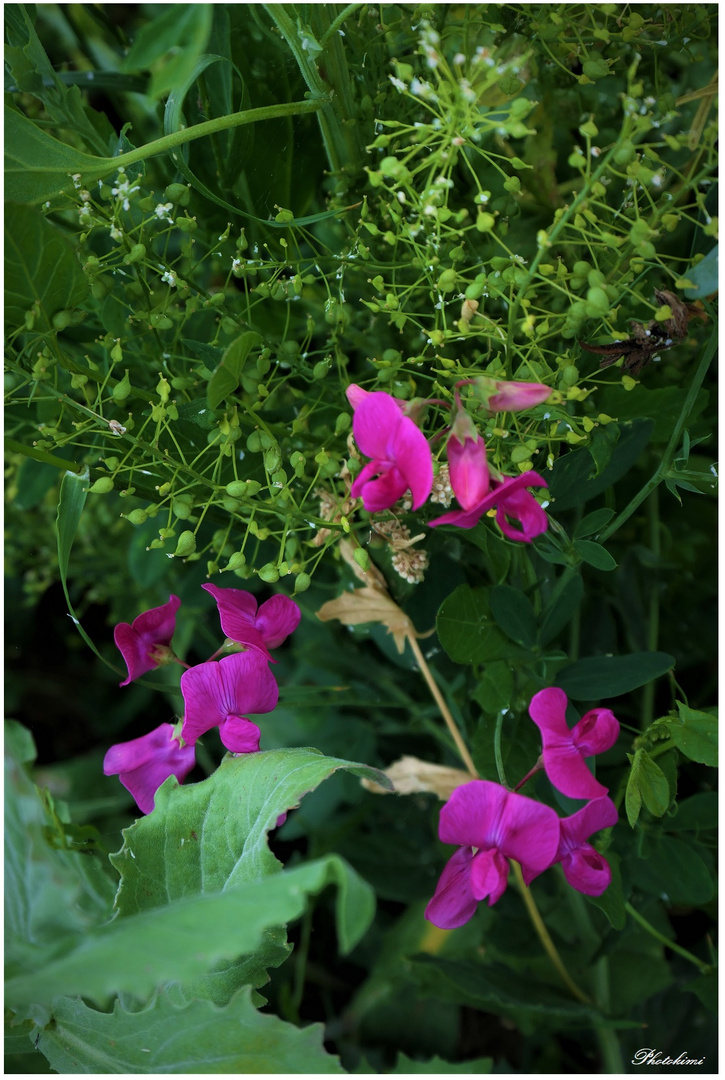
[672, 445]
[440, 702]
[545, 939]
[704, 968]
[648, 695]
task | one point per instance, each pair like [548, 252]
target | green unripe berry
[302, 582]
[177, 193]
[137, 517]
[102, 485]
[269, 573]
[186, 545]
[236, 488]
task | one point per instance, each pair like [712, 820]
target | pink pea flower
[143, 764]
[262, 629]
[145, 644]
[503, 396]
[564, 748]
[401, 457]
[222, 692]
[584, 868]
[468, 468]
[492, 825]
[512, 501]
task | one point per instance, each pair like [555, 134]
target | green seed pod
[137, 517]
[62, 319]
[186, 224]
[269, 573]
[177, 193]
[230, 505]
[236, 561]
[253, 487]
[136, 253]
[321, 369]
[181, 507]
[102, 486]
[254, 443]
[186, 545]
[302, 582]
[78, 381]
[362, 558]
[117, 353]
[236, 488]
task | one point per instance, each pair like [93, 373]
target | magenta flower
[512, 501]
[222, 692]
[492, 825]
[143, 764]
[468, 468]
[512, 396]
[564, 748]
[262, 629]
[401, 457]
[145, 644]
[584, 868]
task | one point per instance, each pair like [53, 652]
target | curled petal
[356, 395]
[137, 641]
[239, 735]
[587, 871]
[143, 764]
[569, 774]
[514, 396]
[382, 493]
[472, 816]
[489, 875]
[237, 615]
[577, 828]
[453, 902]
[521, 506]
[597, 731]
[470, 478]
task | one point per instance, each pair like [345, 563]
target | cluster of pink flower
[386, 432]
[218, 693]
[492, 825]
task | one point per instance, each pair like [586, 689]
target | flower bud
[501, 396]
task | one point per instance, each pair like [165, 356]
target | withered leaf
[410, 776]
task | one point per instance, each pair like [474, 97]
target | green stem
[672, 445]
[648, 695]
[703, 968]
[210, 127]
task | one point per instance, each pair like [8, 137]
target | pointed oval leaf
[599, 677]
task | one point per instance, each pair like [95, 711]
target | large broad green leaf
[695, 734]
[561, 609]
[467, 630]
[704, 276]
[675, 871]
[187, 937]
[599, 677]
[170, 43]
[51, 893]
[41, 269]
[37, 166]
[167, 1037]
[514, 613]
[408, 1065]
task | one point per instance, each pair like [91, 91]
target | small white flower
[459, 58]
[169, 277]
[162, 212]
[399, 85]
[76, 178]
[116, 233]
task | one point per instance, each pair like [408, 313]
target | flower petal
[135, 641]
[237, 615]
[382, 493]
[143, 764]
[489, 875]
[473, 814]
[548, 711]
[239, 735]
[522, 507]
[569, 774]
[233, 686]
[453, 902]
[587, 871]
[374, 423]
[276, 619]
[413, 460]
[577, 828]
[470, 478]
[597, 731]
[530, 834]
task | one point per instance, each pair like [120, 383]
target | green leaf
[495, 988]
[37, 166]
[612, 900]
[699, 813]
[651, 786]
[41, 269]
[562, 609]
[704, 275]
[593, 523]
[571, 482]
[186, 937]
[705, 987]
[674, 871]
[601, 447]
[407, 1065]
[466, 629]
[497, 553]
[71, 500]
[599, 677]
[166, 1037]
[594, 554]
[170, 42]
[514, 613]
[225, 379]
[695, 734]
[495, 690]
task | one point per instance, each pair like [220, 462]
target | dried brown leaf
[410, 776]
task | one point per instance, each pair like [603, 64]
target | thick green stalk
[339, 134]
[219, 123]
